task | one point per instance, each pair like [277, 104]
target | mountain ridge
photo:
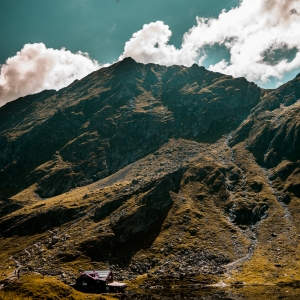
[71, 114]
[161, 172]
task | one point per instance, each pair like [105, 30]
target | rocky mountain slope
[112, 118]
[171, 172]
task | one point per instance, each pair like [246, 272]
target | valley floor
[193, 213]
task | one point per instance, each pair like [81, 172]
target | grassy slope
[33, 286]
[275, 255]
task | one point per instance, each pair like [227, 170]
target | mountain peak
[129, 58]
[128, 61]
[194, 65]
[156, 167]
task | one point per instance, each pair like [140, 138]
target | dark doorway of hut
[98, 282]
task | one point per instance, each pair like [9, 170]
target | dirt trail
[279, 198]
[253, 228]
[287, 215]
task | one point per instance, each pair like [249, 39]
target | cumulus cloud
[261, 36]
[150, 45]
[36, 68]
[253, 33]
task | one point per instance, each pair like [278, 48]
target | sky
[49, 44]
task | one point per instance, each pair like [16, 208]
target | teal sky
[102, 27]
[99, 27]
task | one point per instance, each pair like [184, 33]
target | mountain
[173, 172]
[112, 118]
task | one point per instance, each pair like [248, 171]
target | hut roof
[100, 275]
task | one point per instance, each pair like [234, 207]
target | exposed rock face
[112, 118]
[272, 134]
[172, 172]
[272, 131]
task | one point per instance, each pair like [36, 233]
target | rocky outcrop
[112, 118]
[272, 131]
[171, 172]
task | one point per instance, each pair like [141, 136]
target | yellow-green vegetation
[11, 296]
[169, 176]
[262, 270]
[34, 286]
[137, 282]
[221, 208]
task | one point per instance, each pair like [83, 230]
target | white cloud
[36, 68]
[150, 45]
[250, 31]
[258, 34]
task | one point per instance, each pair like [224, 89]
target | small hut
[98, 282]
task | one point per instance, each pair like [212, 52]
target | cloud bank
[262, 37]
[36, 68]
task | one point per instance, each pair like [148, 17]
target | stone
[55, 239]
